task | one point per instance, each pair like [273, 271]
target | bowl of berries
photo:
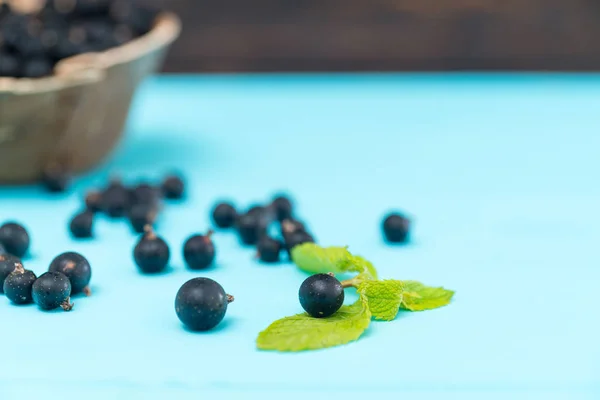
[68, 72]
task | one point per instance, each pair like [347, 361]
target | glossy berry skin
[199, 252]
[14, 238]
[151, 254]
[321, 295]
[52, 290]
[81, 225]
[250, 229]
[18, 285]
[201, 304]
[8, 264]
[140, 215]
[282, 207]
[396, 228]
[224, 215]
[75, 267]
[268, 249]
[173, 187]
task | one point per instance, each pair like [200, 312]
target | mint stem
[350, 283]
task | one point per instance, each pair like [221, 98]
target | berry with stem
[14, 238]
[7, 266]
[151, 253]
[321, 295]
[199, 251]
[75, 267]
[18, 285]
[201, 304]
[141, 215]
[52, 290]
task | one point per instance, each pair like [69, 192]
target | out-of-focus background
[385, 35]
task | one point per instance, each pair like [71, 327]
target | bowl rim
[89, 68]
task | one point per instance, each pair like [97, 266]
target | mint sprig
[378, 299]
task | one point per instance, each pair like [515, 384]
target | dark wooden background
[385, 35]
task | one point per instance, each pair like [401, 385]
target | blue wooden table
[500, 173]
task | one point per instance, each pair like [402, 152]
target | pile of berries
[30, 45]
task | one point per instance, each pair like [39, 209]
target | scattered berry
[173, 187]
[296, 239]
[321, 295]
[151, 253]
[17, 286]
[145, 194]
[14, 238]
[199, 251]
[282, 207]
[268, 249]
[115, 199]
[250, 229]
[396, 228]
[52, 290]
[7, 266]
[81, 225]
[141, 215]
[93, 201]
[75, 267]
[201, 304]
[289, 226]
[224, 215]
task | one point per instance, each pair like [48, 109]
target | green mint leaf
[316, 259]
[383, 297]
[418, 297]
[303, 332]
[365, 266]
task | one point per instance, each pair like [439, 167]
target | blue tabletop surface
[500, 173]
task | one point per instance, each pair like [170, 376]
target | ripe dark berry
[145, 194]
[289, 226]
[262, 213]
[268, 249]
[250, 229]
[55, 178]
[8, 263]
[321, 295]
[224, 215]
[93, 201]
[10, 64]
[115, 200]
[141, 215]
[75, 267]
[199, 251]
[17, 286]
[14, 238]
[282, 207]
[396, 228]
[52, 290]
[151, 253]
[37, 67]
[81, 225]
[296, 239]
[201, 304]
[173, 187]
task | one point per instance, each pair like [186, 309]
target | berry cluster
[68, 274]
[30, 45]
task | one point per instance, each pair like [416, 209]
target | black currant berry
[151, 253]
[8, 263]
[93, 201]
[289, 226]
[75, 267]
[10, 65]
[321, 295]
[37, 68]
[224, 215]
[201, 304]
[145, 194]
[268, 249]
[81, 225]
[115, 199]
[297, 238]
[55, 178]
[173, 187]
[52, 290]
[396, 228]
[250, 229]
[14, 238]
[199, 251]
[17, 286]
[282, 207]
[141, 215]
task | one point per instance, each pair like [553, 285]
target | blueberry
[37, 68]
[81, 225]
[75, 267]
[201, 304]
[93, 201]
[55, 178]
[8, 263]
[14, 238]
[173, 187]
[52, 290]
[268, 249]
[282, 206]
[396, 228]
[321, 295]
[17, 286]
[199, 251]
[250, 229]
[116, 199]
[9, 65]
[224, 215]
[141, 215]
[151, 253]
